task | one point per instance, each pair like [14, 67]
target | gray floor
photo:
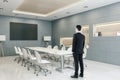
[10, 70]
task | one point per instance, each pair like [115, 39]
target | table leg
[1, 48]
[61, 64]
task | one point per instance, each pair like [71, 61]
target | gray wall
[103, 49]
[44, 28]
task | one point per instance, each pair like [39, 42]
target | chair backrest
[55, 47]
[20, 51]
[69, 49]
[38, 57]
[29, 54]
[25, 53]
[16, 50]
[49, 46]
[85, 52]
[63, 48]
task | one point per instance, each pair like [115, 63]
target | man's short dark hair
[78, 27]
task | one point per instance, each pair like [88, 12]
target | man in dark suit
[77, 49]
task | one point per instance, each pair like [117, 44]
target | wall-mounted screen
[23, 31]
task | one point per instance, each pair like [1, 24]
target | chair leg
[37, 71]
[22, 62]
[19, 59]
[46, 71]
[85, 65]
[29, 65]
[15, 59]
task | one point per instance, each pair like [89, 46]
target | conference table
[60, 53]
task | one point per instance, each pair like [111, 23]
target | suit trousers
[78, 61]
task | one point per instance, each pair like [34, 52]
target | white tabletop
[50, 51]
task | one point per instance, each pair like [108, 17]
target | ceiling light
[85, 6]
[1, 8]
[36, 17]
[28, 13]
[67, 12]
[55, 16]
[16, 14]
[5, 0]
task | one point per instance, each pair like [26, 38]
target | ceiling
[49, 9]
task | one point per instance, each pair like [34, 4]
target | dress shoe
[74, 76]
[80, 75]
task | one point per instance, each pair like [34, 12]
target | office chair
[55, 57]
[69, 58]
[32, 60]
[25, 57]
[48, 56]
[20, 55]
[85, 53]
[41, 64]
[52, 56]
[63, 48]
[16, 52]
[49, 46]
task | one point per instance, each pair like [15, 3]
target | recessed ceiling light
[5, 0]
[55, 16]
[36, 17]
[16, 14]
[85, 6]
[67, 12]
[1, 8]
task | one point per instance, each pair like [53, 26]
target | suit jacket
[78, 43]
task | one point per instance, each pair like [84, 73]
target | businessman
[77, 49]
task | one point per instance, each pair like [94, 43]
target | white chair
[52, 56]
[32, 60]
[63, 48]
[49, 46]
[55, 57]
[69, 58]
[41, 64]
[85, 53]
[16, 52]
[25, 56]
[55, 47]
[46, 55]
[32, 57]
[20, 54]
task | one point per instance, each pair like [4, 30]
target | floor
[10, 70]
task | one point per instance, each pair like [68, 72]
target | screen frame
[35, 25]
